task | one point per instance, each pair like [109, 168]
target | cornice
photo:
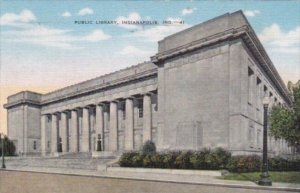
[87, 91]
[22, 102]
[245, 33]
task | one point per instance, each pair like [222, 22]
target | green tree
[9, 147]
[285, 121]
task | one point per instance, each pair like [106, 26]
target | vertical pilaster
[147, 117]
[54, 133]
[43, 134]
[113, 127]
[85, 146]
[64, 134]
[74, 142]
[129, 124]
[100, 124]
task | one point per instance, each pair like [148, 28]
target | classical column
[113, 127]
[147, 118]
[64, 132]
[74, 142]
[85, 146]
[129, 124]
[43, 134]
[54, 134]
[100, 124]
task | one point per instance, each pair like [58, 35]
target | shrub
[149, 148]
[147, 162]
[157, 160]
[220, 158]
[281, 164]
[198, 159]
[126, 159]
[250, 163]
[169, 159]
[182, 160]
[137, 160]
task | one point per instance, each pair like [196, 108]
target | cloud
[283, 47]
[86, 11]
[275, 37]
[66, 14]
[159, 32]
[251, 13]
[53, 37]
[131, 50]
[25, 16]
[188, 11]
[134, 16]
[97, 35]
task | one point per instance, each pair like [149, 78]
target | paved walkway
[166, 178]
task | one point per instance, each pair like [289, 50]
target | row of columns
[101, 118]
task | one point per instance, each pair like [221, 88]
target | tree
[148, 148]
[9, 147]
[285, 121]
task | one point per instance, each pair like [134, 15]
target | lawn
[287, 177]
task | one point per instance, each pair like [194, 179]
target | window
[140, 107]
[250, 85]
[259, 97]
[48, 144]
[34, 145]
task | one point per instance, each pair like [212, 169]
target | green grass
[286, 177]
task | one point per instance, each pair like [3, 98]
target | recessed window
[48, 144]
[250, 85]
[34, 145]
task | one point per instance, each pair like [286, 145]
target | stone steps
[78, 162]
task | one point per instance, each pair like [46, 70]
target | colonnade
[65, 126]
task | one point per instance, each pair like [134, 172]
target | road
[29, 182]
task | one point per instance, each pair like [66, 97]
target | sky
[43, 48]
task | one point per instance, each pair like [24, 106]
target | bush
[149, 148]
[147, 162]
[126, 159]
[157, 160]
[281, 164]
[198, 159]
[219, 158]
[137, 160]
[249, 163]
[169, 159]
[182, 160]
[206, 159]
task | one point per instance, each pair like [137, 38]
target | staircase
[71, 161]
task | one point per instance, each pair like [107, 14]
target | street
[30, 182]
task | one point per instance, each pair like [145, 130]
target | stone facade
[203, 88]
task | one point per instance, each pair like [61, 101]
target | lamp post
[2, 148]
[264, 177]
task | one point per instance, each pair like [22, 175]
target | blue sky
[42, 49]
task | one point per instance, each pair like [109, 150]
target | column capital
[57, 113]
[66, 111]
[151, 93]
[76, 109]
[130, 98]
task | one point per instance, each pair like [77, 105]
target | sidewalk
[172, 178]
